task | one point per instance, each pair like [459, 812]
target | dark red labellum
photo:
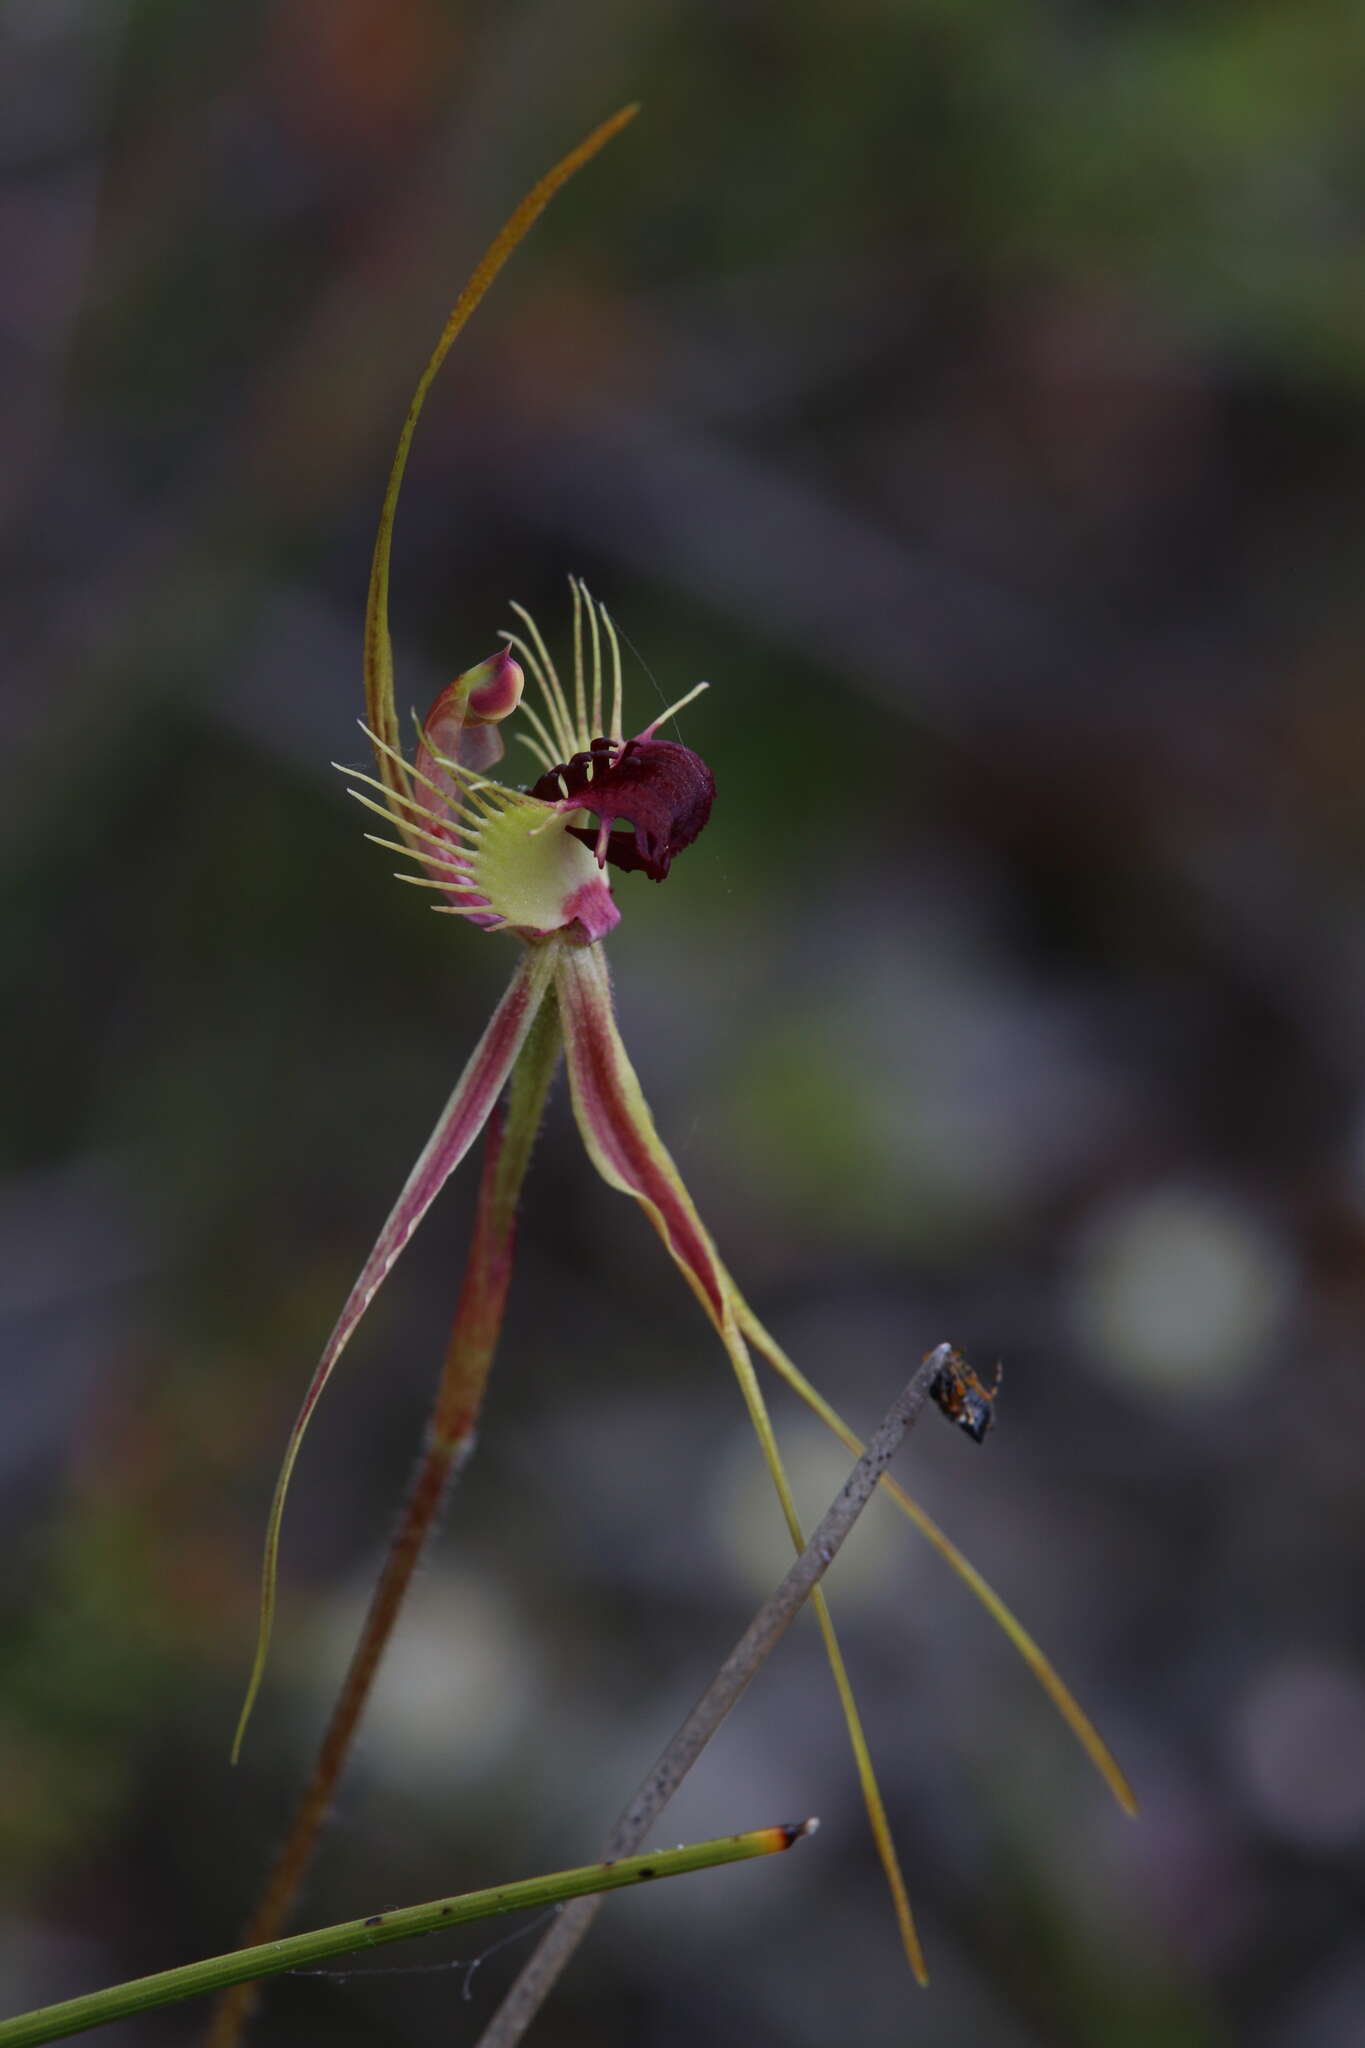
[661, 788]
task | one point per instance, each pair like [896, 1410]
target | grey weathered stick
[764, 1632]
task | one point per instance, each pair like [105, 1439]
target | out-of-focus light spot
[1181, 1290]
[752, 1537]
[939, 1094]
[458, 1689]
[1299, 1741]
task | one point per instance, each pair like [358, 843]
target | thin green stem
[450, 1439]
[299, 1951]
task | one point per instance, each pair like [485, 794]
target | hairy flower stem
[449, 1441]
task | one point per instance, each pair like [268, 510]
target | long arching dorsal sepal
[380, 712]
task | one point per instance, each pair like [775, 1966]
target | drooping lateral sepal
[459, 1124]
[627, 1151]
[619, 1132]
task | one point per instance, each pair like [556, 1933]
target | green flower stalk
[532, 863]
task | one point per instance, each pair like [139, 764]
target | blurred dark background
[974, 394]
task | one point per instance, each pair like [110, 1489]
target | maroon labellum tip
[659, 787]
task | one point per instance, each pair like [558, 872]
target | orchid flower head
[534, 861]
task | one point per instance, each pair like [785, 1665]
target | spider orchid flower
[533, 863]
[520, 860]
